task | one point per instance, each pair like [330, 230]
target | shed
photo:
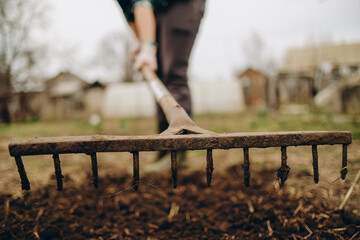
[309, 70]
[255, 88]
[66, 94]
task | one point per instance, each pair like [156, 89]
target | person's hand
[134, 50]
[146, 56]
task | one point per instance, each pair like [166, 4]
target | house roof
[250, 72]
[96, 84]
[65, 84]
[305, 59]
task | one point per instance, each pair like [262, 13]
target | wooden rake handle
[179, 121]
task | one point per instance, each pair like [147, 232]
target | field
[228, 210]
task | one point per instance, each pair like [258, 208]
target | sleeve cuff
[144, 3]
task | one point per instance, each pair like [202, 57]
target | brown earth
[228, 210]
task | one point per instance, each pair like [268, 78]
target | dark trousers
[177, 28]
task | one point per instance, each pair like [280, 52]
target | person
[166, 31]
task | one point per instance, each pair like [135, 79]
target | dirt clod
[283, 173]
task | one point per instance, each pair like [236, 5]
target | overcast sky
[219, 50]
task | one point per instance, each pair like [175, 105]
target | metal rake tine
[315, 163]
[283, 156]
[174, 169]
[25, 184]
[58, 173]
[209, 166]
[283, 171]
[344, 169]
[136, 176]
[247, 174]
[94, 170]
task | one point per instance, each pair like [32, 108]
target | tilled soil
[227, 210]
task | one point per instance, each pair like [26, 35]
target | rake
[182, 134]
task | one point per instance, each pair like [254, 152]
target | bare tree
[18, 52]
[253, 49]
[113, 56]
[257, 55]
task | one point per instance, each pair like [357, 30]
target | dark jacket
[128, 6]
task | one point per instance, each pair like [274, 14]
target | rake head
[182, 134]
[91, 145]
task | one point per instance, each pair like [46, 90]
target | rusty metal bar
[174, 168]
[25, 184]
[209, 166]
[315, 163]
[105, 143]
[283, 171]
[136, 170]
[247, 174]
[344, 169]
[58, 173]
[94, 170]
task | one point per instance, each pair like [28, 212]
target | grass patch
[221, 123]
[85, 126]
